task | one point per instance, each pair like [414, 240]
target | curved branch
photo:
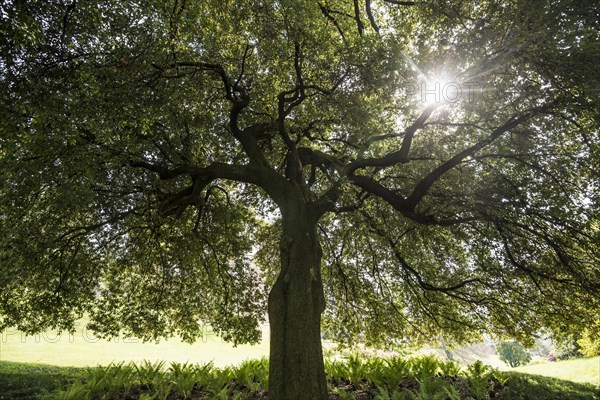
[424, 185]
[327, 13]
[236, 94]
[370, 15]
[396, 157]
[420, 280]
[265, 178]
[401, 204]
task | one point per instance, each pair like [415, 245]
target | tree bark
[296, 301]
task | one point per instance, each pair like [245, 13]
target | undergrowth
[354, 378]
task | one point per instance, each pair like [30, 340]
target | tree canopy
[168, 162]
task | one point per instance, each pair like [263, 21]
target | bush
[590, 342]
[513, 354]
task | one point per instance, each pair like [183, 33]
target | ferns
[421, 378]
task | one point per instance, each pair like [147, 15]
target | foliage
[566, 345]
[98, 190]
[450, 368]
[590, 340]
[477, 382]
[590, 344]
[147, 149]
[28, 381]
[513, 353]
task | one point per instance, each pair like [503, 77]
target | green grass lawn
[585, 370]
[83, 349]
[20, 381]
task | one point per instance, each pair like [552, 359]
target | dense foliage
[590, 340]
[408, 170]
[590, 344]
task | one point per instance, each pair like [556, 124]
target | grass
[416, 378]
[534, 387]
[19, 381]
[82, 349]
[31, 367]
[583, 370]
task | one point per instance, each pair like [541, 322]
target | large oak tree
[377, 169]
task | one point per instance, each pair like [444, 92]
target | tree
[513, 354]
[566, 345]
[590, 341]
[149, 148]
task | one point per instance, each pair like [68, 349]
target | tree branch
[326, 12]
[424, 185]
[239, 98]
[400, 3]
[359, 23]
[396, 157]
[370, 15]
[266, 178]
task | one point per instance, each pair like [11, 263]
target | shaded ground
[32, 381]
[39, 382]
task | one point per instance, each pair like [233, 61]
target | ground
[21, 378]
[82, 349]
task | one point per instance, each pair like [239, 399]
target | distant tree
[513, 353]
[394, 169]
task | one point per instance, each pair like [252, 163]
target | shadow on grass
[33, 381]
[522, 386]
[20, 381]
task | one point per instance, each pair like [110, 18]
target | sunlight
[439, 89]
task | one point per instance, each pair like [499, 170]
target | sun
[439, 89]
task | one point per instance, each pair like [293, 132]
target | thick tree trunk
[296, 302]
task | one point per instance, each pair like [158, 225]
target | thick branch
[395, 200]
[400, 204]
[266, 178]
[237, 95]
[370, 15]
[423, 186]
[359, 23]
[397, 157]
[294, 98]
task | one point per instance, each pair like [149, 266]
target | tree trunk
[296, 301]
